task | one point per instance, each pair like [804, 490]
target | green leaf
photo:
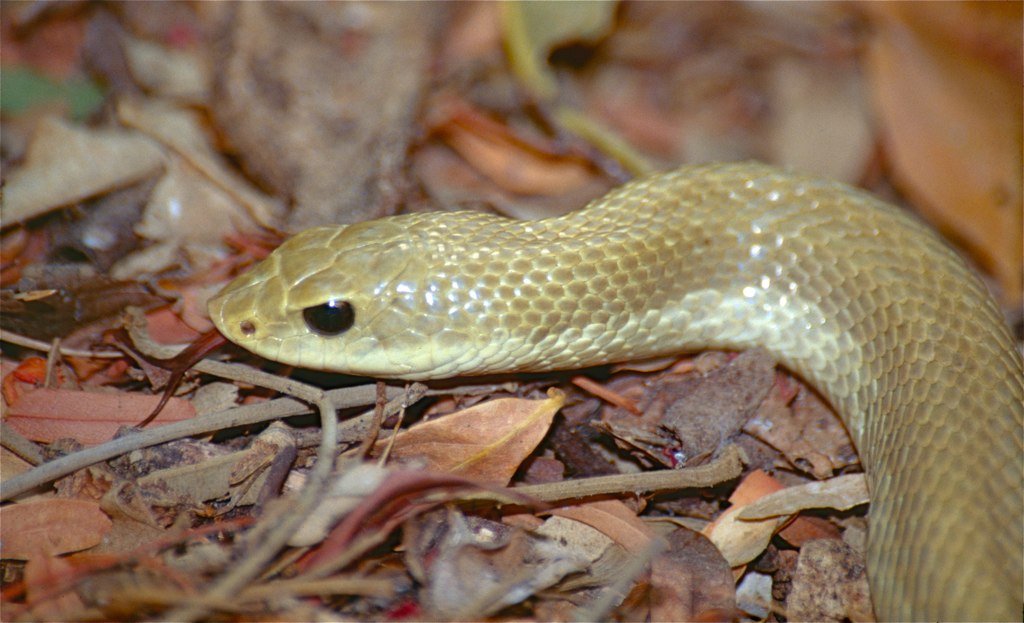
[22, 88]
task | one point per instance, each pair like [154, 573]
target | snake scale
[852, 294]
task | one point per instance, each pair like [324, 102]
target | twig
[726, 467]
[246, 415]
[27, 342]
[274, 530]
[18, 444]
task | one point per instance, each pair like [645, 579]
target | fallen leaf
[508, 159]
[42, 574]
[742, 541]
[614, 519]
[182, 131]
[841, 493]
[952, 122]
[355, 483]
[804, 529]
[472, 567]
[806, 431]
[166, 71]
[51, 527]
[67, 163]
[835, 565]
[486, 442]
[46, 414]
[691, 581]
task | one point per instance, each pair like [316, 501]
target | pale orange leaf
[952, 121]
[486, 442]
[46, 414]
[742, 541]
[51, 527]
[612, 518]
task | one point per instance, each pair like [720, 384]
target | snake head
[351, 299]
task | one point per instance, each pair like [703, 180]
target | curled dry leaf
[841, 492]
[513, 162]
[805, 430]
[486, 442]
[742, 541]
[51, 527]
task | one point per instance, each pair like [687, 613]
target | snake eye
[330, 318]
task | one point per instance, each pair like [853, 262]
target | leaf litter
[511, 499]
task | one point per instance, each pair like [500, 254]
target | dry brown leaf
[952, 122]
[187, 208]
[51, 527]
[168, 72]
[691, 581]
[513, 162]
[67, 163]
[11, 464]
[166, 327]
[210, 479]
[804, 529]
[841, 492]
[182, 131]
[742, 541]
[834, 565]
[807, 432]
[486, 442]
[350, 488]
[576, 537]
[614, 519]
[46, 414]
[472, 567]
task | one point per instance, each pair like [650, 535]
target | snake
[857, 297]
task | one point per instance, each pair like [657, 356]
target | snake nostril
[247, 327]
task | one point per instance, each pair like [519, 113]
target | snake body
[852, 294]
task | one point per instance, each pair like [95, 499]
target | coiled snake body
[852, 294]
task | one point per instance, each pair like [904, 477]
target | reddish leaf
[90, 417]
[51, 527]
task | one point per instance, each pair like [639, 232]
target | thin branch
[245, 415]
